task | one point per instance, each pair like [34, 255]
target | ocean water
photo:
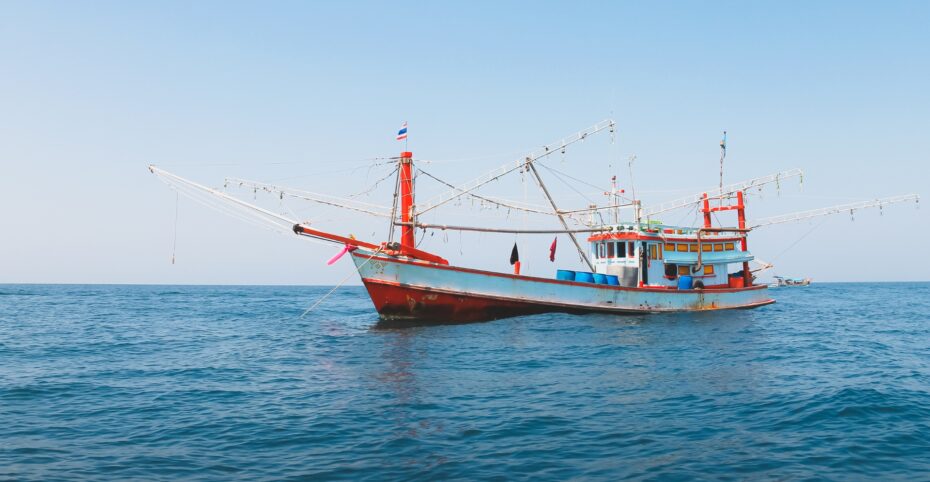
[218, 383]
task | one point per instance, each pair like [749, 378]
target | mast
[740, 208]
[405, 174]
[706, 211]
[741, 220]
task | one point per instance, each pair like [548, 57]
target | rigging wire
[800, 239]
[567, 184]
[224, 203]
[326, 199]
[483, 198]
[373, 186]
[174, 243]
[599, 189]
[394, 207]
[335, 171]
[358, 270]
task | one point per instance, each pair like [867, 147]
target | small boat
[632, 267]
[781, 281]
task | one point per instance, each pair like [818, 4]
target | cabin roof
[661, 232]
[676, 257]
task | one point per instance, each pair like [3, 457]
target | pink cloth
[340, 254]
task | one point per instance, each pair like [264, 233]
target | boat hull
[415, 290]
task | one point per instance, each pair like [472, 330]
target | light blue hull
[402, 288]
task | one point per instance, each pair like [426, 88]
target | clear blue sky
[91, 92]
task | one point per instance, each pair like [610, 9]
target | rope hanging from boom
[351, 204]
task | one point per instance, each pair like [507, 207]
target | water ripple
[213, 383]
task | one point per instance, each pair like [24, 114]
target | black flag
[514, 255]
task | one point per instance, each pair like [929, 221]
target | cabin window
[630, 250]
[718, 247]
[621, 249]
[683, 271]
[707, 247]
[729, 247]
[693, 248]
[601, 250]
[709, 269]
[670, 246]
[671, 270]
[653, 251]
[682, 248]
[610, 250]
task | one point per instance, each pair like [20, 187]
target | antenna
[723, 155]
[636, 210]
[613, 197]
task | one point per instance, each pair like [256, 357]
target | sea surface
[229, 383]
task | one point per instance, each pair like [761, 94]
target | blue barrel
[600, 279]
[565, 275]
[613, 280]
[583, 277]
[684, 282]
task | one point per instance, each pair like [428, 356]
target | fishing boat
[636, 266]
[782, 282]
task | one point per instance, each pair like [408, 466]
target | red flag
[552, 249]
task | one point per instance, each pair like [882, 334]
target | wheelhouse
[658, 256]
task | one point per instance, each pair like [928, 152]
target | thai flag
[402, 133]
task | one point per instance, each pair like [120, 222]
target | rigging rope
[326, 199]
[308, 310]
[174, 243]
[394, 209]
[799, 239]
[375, 185]
[335, 171]
[600, 189]
[483, 198]
[566, 183]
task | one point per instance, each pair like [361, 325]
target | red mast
[406, 201]
[706, 212]
[741, 219]
[740, 208]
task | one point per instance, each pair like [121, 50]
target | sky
[310, 95]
